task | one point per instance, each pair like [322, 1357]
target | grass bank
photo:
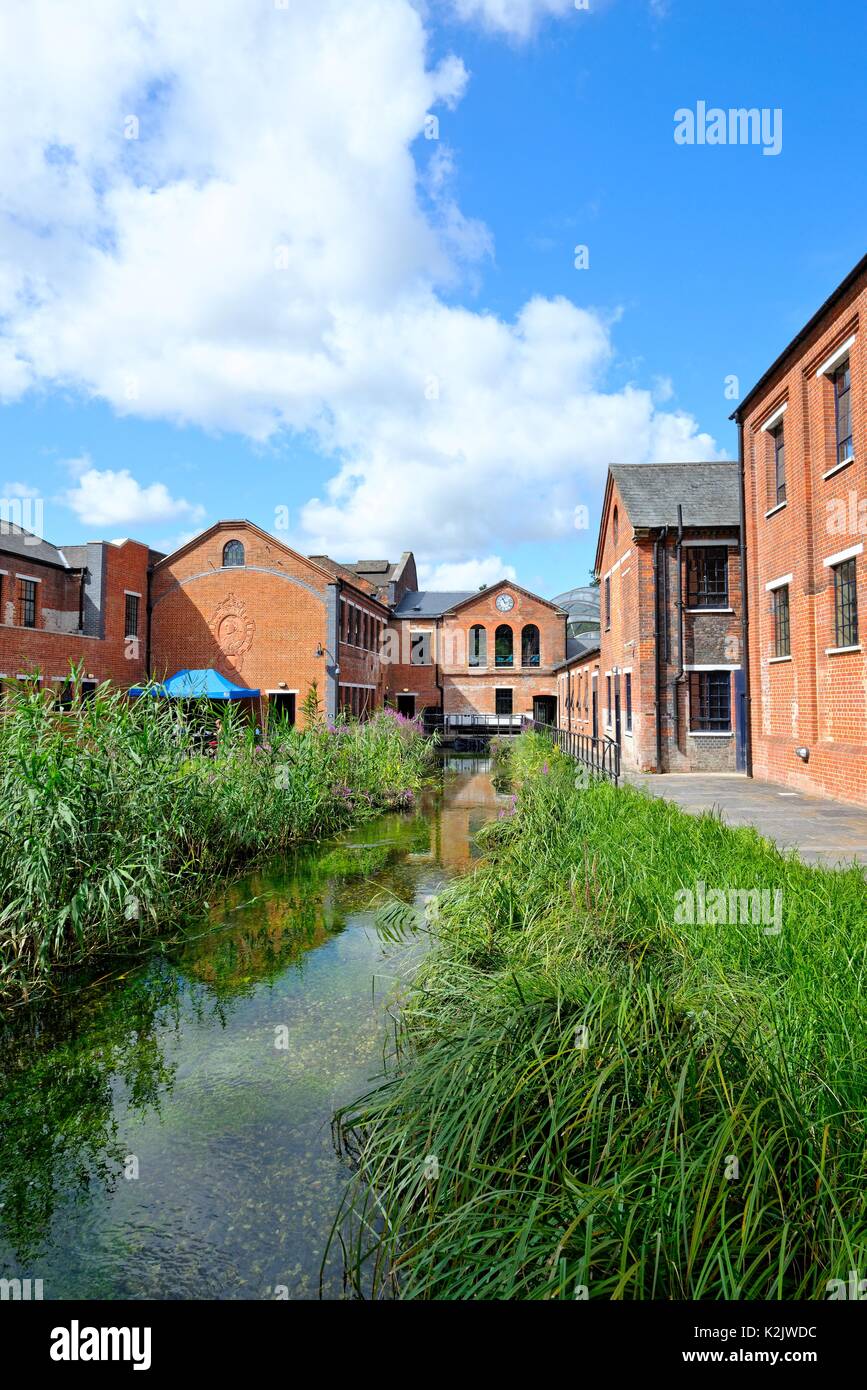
[593, 1096]
[112, 818]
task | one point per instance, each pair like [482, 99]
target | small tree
[312, 707]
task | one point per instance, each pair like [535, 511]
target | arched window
[233, 553]
[478, 655]
[530, 645]
[615, 526]
[503, 645]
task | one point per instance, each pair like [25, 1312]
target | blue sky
[296, 300]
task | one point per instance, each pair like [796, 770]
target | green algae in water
[166, 1132]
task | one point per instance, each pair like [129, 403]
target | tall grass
[589, 1098]
[111, 816]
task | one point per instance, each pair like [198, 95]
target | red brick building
[669, 679]
[81, 606]
[243, 602]
[492, 651]
[803, 452]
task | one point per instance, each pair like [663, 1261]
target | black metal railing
[472, 723]
[601, 756]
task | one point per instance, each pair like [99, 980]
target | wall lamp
[803, 754]
[323, 651]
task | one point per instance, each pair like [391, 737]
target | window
[710, 702]
[707, 583]
[28, 602]
[629, 702]
[503, 641]
[478, 645]
[608, 603]
[615, 526]
[130, 621]
[419, 649]
[845, 604]
[608, 706]
[233, 554]
[530, 651]
[779, 465]
[780, 601]
[503, 699]
[344, 633]
[843, 412]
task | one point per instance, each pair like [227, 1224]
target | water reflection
[165, 1130]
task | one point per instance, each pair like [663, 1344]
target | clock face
[505, 603]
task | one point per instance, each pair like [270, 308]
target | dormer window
[233, 554]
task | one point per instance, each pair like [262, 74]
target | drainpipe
[679, 677]
[657, 703]
[745, 609]
[82, 580]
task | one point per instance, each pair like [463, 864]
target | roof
[578, 649]
[799, 338]
[651, 492]
[581, 602]
[430, 603]
[14, 540]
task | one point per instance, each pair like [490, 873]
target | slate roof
[708, 493]
[16, 541]
[428, 603]
[578, 647]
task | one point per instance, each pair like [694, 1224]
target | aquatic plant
[621, 1102]
[114, 814]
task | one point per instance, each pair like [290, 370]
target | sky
[381, 275]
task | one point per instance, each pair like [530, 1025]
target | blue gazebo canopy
[197, 685]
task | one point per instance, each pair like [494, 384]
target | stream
[165, 1128]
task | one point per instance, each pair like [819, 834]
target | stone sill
[778, 508]
[710, 733]
[838, 467]
[708, 610]
[47, 631]
[776, 660]
[839, 651]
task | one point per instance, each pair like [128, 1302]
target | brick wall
[629, 644]
[55, 643]
[260, 623]
[816, 698]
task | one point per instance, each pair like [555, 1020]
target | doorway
[545, 709]
[503, 700]
[617, 710]
[740, 722]
[595, 725]
[281, 705]
[406, 705]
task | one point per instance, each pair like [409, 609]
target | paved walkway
[823, 832]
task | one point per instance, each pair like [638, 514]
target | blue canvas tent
[197, 685]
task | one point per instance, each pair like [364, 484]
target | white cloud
[19, 490]
[104, 498]
[465, 574]
[518, 18]
[278, 260]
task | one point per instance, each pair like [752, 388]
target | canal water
[165, 1130]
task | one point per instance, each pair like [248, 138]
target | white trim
[280, 691]
[710, 540]
[775, 660]
[778, 508]
[708, 610]
[133, 593]
[838, 467]
[715, 666]
[710, 733]
[844, 555]
[780, 583]
[837, 651]
[777, 416]
[344, 685]
[836, 357]
[31, 578]
[4, 571]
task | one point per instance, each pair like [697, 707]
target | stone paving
[822, 832]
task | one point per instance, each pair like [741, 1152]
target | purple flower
[544, 769]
